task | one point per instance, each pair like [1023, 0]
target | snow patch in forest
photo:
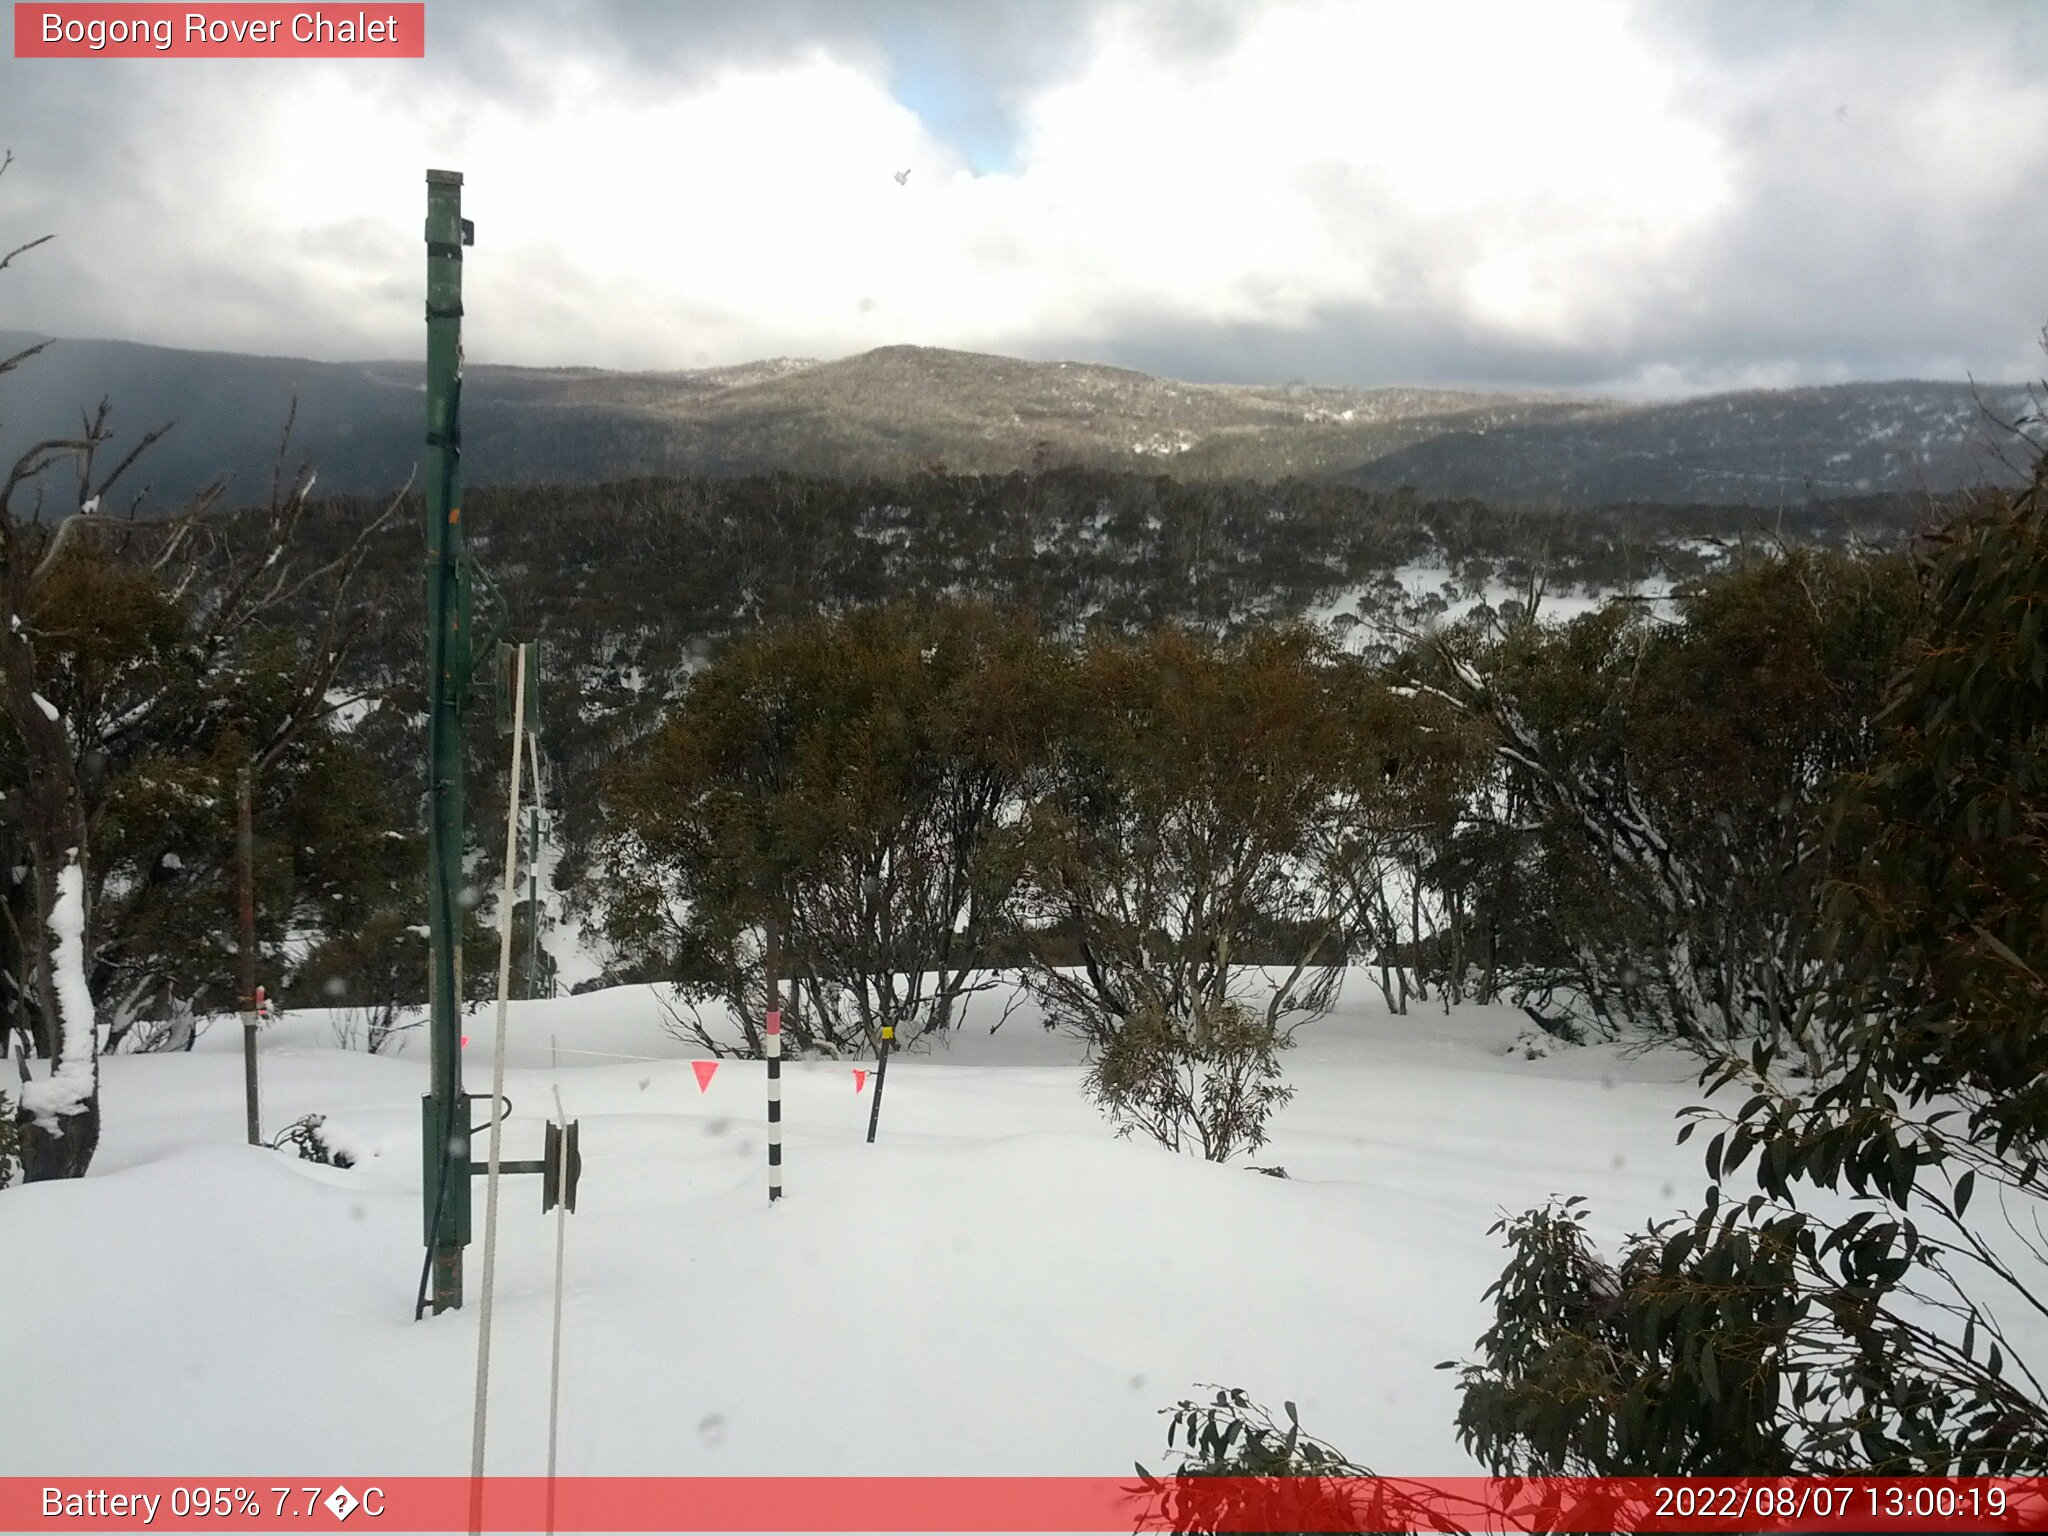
[349, 709]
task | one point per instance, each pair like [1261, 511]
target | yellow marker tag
[888, 1031]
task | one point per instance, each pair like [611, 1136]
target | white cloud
[1598, 186]
[1481, 156]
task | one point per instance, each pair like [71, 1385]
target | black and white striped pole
[774, 1105]
[774, 1049]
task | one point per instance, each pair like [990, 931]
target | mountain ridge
[900, 409]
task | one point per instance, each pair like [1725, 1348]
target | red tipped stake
[703, 1069]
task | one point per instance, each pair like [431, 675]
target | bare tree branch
[33, 462]
[148, 439]
[20, 249]
[9, 364]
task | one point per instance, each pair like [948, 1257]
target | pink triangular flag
[465, 1040]
[703, 1069]
[860, 1079]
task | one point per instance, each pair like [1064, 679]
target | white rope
[483, 1338]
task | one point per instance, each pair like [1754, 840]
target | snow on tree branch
[69, 1087]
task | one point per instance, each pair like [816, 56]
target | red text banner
[1014, 1504]
[239, 31]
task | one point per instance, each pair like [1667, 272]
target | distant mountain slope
[1761, 447]
[897, 410]
[361, 423]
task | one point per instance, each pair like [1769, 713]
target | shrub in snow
[1204, 1083]
[1181, 831]
[318, 1142]
[1232, 1437]
[1733, 1345]
[1212, 835]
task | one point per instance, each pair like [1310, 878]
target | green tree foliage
[634, 585]
[1670, 1360]
[1206, 1083]
[169, 727]
[1415, 767]
[1761, 1336]
[1239, 1468]
[371, 969]
[904, 799]
[1943, 914]
[1670, 780]
[844, 783]
[1202, 819]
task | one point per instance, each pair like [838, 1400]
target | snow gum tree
[1415, 767]
[845, 782]
[1183, 885]
[1671, 778]
[124, 643]
[159, 803]
[151, 711]
[1769, 1332]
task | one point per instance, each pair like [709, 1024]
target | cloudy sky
[1649, 197]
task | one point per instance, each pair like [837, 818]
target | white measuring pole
[555, 1361]
[483, 1337]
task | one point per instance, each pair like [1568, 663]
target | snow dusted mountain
[1759, 447]
[900, 410]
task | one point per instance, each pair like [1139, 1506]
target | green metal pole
[445, 1121]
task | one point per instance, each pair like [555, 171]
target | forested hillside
[899, 411]
[631, 587]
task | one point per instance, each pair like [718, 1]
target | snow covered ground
[1000, 1285]
[1352, 610]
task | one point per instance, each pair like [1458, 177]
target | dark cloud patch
[1006, 49]
[1367, 347]
[1194, 31]
[1356, 346]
